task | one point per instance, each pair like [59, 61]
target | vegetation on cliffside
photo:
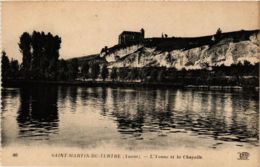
[221, 59]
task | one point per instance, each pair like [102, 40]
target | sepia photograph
[127, 83]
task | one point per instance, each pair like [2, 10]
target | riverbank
[19, 83]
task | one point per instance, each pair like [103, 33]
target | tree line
[9, 68]
[40, 61]
[71, 70]
[236, 74]
[40, 54]
[245, 74]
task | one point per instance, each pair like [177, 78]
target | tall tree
[122, 73]
[85, 70]
[94, 70]
[104, 72]
[133, 74]
[45, 54]
[5, 66]
[161, 75]
[113, 74]
[73, 69]
[63, 70]
[14, 69]
[37, 44]
[143, 73]
[25, 49]
[52, 46]
[153, 74]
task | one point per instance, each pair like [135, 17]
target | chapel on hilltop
[129, 37]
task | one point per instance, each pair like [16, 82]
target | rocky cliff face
[226, 51]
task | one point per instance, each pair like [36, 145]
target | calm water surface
[129, 118]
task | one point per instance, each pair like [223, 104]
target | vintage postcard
[127, 83]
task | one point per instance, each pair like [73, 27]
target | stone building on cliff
[130, 37]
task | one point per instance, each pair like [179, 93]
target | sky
[86, 27]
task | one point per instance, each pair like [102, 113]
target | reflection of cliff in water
[142, 114]
[38, 112]
[217, 115]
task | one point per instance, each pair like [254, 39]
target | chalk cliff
[188, 53]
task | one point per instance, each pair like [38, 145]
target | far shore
[126, 84]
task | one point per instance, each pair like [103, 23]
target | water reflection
[38, 113]
[143, 114]
[8, 94]
[221, 116]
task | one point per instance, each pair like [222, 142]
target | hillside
[189, 53]
[89, 58]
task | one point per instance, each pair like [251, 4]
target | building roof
[131, 33]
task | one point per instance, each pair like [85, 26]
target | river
[132, 119]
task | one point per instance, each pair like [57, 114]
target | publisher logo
[243, 155]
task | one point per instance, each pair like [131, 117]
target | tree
[113, 74]
[133, 74]
[143, 73]
[52, 46]
[36, 55]
[45, 54]
[5, 66]
[218, 34]
[63, 70]
[104, 72]
[161, 75]
[85, 70]
[171, 74]
[14, 69]
[25, 49]
[236, 72]
[94, 71]
[153, 74]
[105, 49]
[122, 73]
[73, 69]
